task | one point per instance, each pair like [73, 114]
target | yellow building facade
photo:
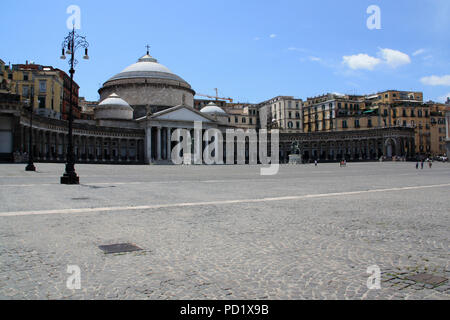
[43, 85]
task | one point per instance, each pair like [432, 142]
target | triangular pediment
[181, 113]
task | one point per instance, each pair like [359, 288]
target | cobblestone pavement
[225, 232]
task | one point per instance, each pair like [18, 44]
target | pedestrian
[421, 165]
[315, 162]
[430, 164]
[417, 165]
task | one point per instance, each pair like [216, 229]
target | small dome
[113, 107]
[114, 100]
[211, 108]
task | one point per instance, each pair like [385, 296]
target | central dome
[147, 67]
[148, 87]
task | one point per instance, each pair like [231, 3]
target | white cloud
[361, 61]
[444, 98]
[273, 35]
[389, 57]
[436, 80]
[257, 38]
[394, 58]
[420, 51]
[297, 49]
[314, 59]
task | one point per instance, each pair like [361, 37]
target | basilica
[141, 107]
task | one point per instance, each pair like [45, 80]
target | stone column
[148, 145]
[367, 149]
[169, 144]
[95, 148]
[159, 145]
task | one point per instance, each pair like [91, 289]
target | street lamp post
[30, 166]
[71, 43]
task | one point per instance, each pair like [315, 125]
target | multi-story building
[66, 97]
[387, 109]
[87, 108]
[327, 112]
[391, 96]
[438, 129]
[447, 129]
[42, 84]
[242, 115]
[282, 112]
[5, 83]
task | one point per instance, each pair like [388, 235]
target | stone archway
[390, 147]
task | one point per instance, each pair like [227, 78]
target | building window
[251, 120]
[41, 101]
[404, 112]
[25, 91]
[419, 113]
[244, 120]
[290, 115]
[339, 105]
[344, 124]
[236, 119]
[356, 123]
[42, 86]
[290, 125]
[298, 125]
[412, 113]
[369, 123]
[25, 77]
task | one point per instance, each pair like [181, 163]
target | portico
[159, 128]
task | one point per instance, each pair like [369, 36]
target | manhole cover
[427, 279]
[119, 248]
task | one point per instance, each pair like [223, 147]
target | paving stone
[304, 248]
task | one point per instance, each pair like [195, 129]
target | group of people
[422, 163]
[20, 157]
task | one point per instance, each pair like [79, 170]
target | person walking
[421, 164]
[430, 163]
[315, 162]
[417, 165]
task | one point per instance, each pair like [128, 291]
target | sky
[251, 50]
